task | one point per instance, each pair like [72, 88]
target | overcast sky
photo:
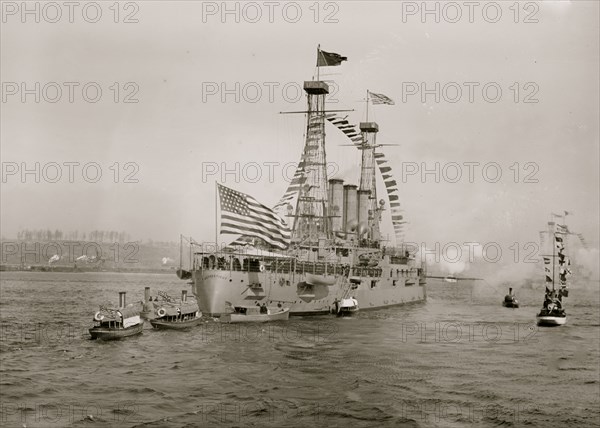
[178, 129]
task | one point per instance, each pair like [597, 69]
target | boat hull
[214, 289]
[175, 325]
[104, 333]
[547, 320]
[510, 304]
[236, 318]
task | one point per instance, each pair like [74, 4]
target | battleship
[334, 248]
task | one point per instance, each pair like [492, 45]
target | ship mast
[368, 178]
[311, 220]
[369, 214]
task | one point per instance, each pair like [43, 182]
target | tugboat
[552, 312]
[256, 314]
[510, 300]
[114, 324]
[176, 315]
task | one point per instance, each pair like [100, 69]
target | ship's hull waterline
[216, 289]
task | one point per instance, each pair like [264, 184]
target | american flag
[380, 99]
[241, 213]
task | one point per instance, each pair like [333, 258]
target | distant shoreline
[72, 269]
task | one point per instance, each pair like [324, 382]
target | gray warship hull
[389, 285]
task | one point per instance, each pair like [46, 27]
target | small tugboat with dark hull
[510, 300]
[115, 324]
[174, 315]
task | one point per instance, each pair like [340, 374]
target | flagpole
[367, 105]
[318, 56]
[216, 215]
[553, 259]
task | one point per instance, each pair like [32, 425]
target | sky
[160, 156]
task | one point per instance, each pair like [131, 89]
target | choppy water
[458, 360]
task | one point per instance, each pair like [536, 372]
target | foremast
[311, 222]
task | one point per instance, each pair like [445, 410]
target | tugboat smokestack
[122, 299]
[510, 291]
[184, 295]
[146, 295]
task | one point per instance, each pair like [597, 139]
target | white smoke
[451, 261]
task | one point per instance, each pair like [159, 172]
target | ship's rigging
[323, 211]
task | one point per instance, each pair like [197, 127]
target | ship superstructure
[336, 250]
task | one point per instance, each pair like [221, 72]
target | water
[460, 359]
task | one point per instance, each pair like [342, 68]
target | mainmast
[368, 178]
[553, 252]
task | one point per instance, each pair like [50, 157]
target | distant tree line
[107, 236]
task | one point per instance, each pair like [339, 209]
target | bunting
[582, 240]
[296, 183]
[563, 260]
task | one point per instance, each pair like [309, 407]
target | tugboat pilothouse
[321, 243]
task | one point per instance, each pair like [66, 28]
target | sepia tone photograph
[300, 214]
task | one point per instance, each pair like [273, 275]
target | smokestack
[183, 296]
[146, 295]
[363, 207]
[336, 204]
[510, 291]
[350, 207]
[122, 299]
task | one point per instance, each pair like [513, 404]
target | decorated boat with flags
[174, 315]
[553, 312]
[117, 323]
[322, 241]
